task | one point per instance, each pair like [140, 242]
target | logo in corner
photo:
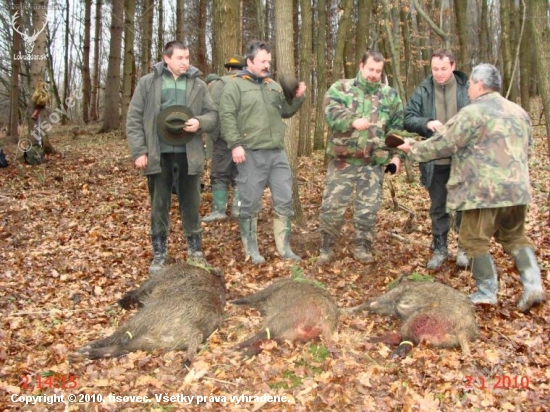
[29, 40]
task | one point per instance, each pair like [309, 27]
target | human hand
[405, 147]
[141, 162]
[300, 91]
[394, 166]
[361, 124]
[192, 125]
[238, 154]
[434, 125]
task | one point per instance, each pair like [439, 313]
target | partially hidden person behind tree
[490, 142]
[359, 113]
[224, 169]
[252, 107]
[438, 98]
[169, 110]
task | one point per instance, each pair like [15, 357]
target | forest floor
[74, 238]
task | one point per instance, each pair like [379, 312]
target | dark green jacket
[251, 112]
[141, 128]
[421, 106]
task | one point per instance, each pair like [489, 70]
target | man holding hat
[252, 107]
[224, 170]
[170, 109]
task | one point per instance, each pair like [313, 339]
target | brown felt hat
[394, 140]
[237, 61]
[289, 84]
[170, 124]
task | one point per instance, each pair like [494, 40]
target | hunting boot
[282, 230]
[327, 252]
[249, 227]
[363, 251]
[533, 293]
[461, 258]
[485, 275]
[160, 255]
[440, 252]
[235, 204]
[194, 248]
[219, 203]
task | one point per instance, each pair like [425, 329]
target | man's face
[260, 65]
[371, 70]
[179, 62]
[474, 89]
[442, 69]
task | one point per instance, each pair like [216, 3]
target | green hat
[211, 77]
[170, 124]
[236, 61]
[289, 84]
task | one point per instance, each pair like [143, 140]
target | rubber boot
[461, 258]
[440, 252]
[160, 255]
[235, 204]
[219, 203]
[527, 265]
[194, 249]
[485, 275]
[363, 251]
[327, 252]
[282, 228]
[249, 228]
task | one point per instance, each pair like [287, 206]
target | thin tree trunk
[484, 37]
[146, 35]
[160, 31]
[180, 4]
[226, 27]
[94, 100]
[505, 45]
[66, 91]
[200, 55]
[111, 116]
[392, 49]
[306, 57]
[129, 18]
[364, 13]
[13, 126]
[461, 8]
[341, 39]
[86, 80]
[319, 136]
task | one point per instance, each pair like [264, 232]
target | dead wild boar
[294, 309]
[179, 308]
[431, 312]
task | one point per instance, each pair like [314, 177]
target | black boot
[327, 252]
[363, 251]
[194, 249]
[533, 293]
[160, 255]
[485, 275]
[440, 252]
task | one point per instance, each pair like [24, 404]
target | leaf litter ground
[74, 235]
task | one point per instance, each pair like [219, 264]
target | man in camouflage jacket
[359, 112]
[489, 142]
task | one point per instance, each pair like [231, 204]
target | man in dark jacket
[169, 110]
[224, 169]
[438, 98]
[252, 107]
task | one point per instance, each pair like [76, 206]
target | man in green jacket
[252, 107]
[359, 113]
[171, 152]
[438, 98]
[489, 142]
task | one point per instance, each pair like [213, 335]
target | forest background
[81, 218]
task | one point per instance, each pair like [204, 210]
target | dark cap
[236, 61]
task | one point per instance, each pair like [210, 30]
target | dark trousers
[174, 171]
[224, 169]
[505, 224]
[438, 197]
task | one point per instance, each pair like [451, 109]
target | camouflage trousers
[342, 178]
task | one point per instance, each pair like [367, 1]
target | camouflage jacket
[350, 99]
[490, 142]
[251, 112]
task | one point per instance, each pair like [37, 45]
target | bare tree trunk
[484, 37]
[146, 35]
[13, 126]
[111, 116]
[526, 67]
[86, 80]
[94, 100]
[341, 39]
[284, 35]
[392, 48]
[180, 4]
[160, 32]
[319, 136]
[226, 27]
[199, 58]
[66, 91]
[461, 8]
[505, 45]
[364, 14]
[129, 19]
[306, 57]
